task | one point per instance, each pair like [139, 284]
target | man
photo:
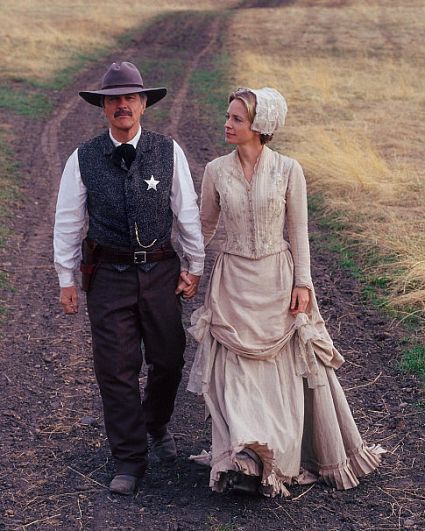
[129, 184]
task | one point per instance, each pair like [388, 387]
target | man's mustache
[122, 113]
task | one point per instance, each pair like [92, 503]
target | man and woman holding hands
[265, 362]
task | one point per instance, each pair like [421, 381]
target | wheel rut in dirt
[56, 465]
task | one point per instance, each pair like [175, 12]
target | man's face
[123, 114]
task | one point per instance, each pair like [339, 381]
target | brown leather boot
[124, 484]
[163, 448]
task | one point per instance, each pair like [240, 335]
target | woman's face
[237, 127]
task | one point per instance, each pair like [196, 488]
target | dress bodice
[254, 213]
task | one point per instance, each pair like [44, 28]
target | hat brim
[95, 97]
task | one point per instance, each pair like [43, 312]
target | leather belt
[110, 255]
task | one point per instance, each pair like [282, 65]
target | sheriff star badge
[152, 183]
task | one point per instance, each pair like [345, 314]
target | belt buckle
[140, 257]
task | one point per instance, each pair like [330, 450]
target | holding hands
[187, 285]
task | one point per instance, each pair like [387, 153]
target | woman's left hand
[300, 300]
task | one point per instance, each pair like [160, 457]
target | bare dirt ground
[55, 463]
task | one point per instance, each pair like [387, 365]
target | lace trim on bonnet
[270, 111]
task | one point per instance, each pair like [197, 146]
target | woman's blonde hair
[249, 100]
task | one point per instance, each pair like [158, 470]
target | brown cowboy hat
[122, 78]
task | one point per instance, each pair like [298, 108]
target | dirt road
[55, 464]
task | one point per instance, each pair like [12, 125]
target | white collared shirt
[71, 219]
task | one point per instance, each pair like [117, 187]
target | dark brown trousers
[127, 308]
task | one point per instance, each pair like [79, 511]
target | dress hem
[342, 476]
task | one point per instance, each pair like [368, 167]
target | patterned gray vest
[123, 208]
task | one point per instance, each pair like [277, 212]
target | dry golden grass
[39, 38]
[354, 78]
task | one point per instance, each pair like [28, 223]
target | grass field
[354, 78]
[42, 39]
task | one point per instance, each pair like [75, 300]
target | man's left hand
[188, 285]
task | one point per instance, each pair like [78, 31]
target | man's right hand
[188, 285]
[69, 299]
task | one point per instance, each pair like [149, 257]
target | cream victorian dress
[267, 377]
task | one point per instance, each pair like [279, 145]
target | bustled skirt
[269, 384]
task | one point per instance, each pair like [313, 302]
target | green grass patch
[9, 197]
[3, 312]
[413, 361]
[212, 87]
[165, 69]
[64, 77]
[9, 175]
[24, 102]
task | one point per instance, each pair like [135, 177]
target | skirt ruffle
[360, 462]
[342, 476]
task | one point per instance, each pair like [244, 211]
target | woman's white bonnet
[270, 110]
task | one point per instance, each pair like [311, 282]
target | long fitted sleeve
[297, 224]
[210, 206]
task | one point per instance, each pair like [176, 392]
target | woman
[265, 363]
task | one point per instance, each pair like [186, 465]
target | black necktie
[125, 152]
